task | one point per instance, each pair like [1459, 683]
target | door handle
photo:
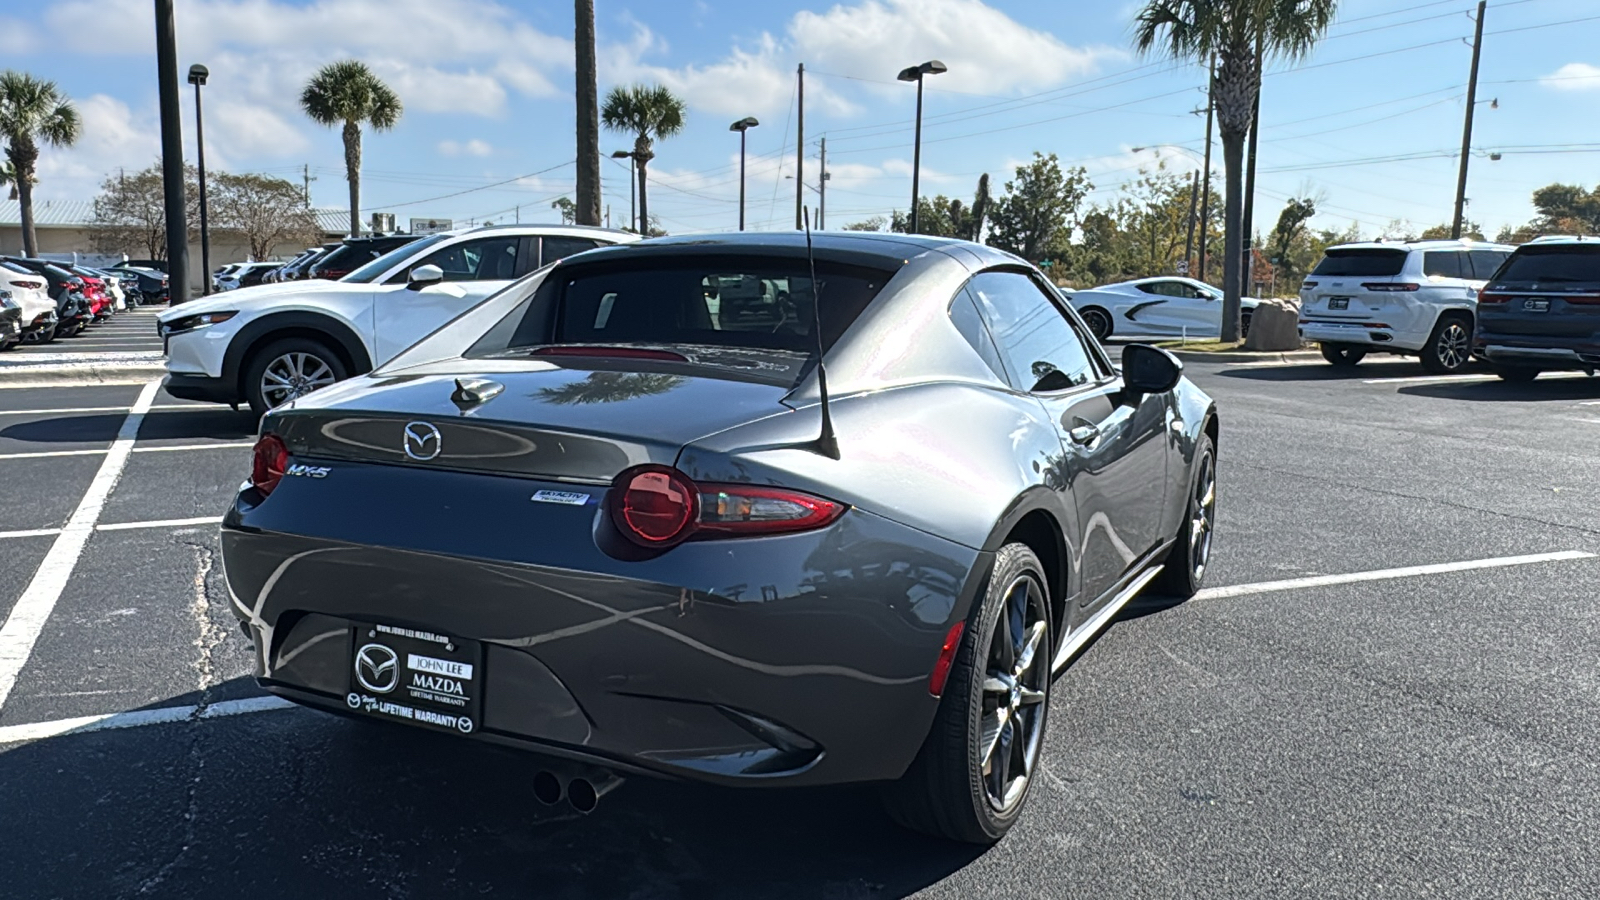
[1084, 434]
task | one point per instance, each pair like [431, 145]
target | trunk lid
[1335, 291]
[578, 420]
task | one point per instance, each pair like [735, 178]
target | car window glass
[375, 269]
[1032, 334]
[562, 247]
[1487, 262]
[485, 259]
[1553, 265]
[1380, 263]
[964, 315]
[1446, 264]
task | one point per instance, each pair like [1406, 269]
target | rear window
[1363, 262]
[1563, 264]
[1446, 264]
[737, 303]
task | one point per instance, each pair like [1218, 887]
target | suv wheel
[288, 370]
[1449, 348]
[969, 781]
[1343, 355]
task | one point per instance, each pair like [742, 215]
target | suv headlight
[190, 323]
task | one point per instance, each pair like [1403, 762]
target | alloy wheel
[1454, 346]
[1016, 679]
[292, 376]
[1099, 324]
[1202, 514]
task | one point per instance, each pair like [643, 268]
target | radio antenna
[826, 443]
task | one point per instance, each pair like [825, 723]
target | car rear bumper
[1365, 334]
[801, 659]
[1543, 353]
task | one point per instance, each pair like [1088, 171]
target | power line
[388, 206]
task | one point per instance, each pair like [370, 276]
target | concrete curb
[17, 375]
[1292, 356]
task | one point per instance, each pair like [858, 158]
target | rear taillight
[1486, 298]
[270, 462]
[1308, 285]
[1582, 299]
[1384, 287]
[30, 285]
[658, 506]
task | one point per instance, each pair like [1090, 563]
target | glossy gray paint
[828, 637]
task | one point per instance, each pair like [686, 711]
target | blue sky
[1372, 121]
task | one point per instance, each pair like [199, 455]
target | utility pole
[172, 155]
[1205, 193]
[1466, 135]
[822, 187]
[519, 215]
[1194, 201]
[608, 216]
[305, 174]
[1248, 266]
[800, 153]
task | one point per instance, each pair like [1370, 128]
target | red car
[101, 305]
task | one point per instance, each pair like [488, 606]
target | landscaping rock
[1275, 326]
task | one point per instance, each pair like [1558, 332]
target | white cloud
[112, 137]
[473, 147]
[16, 38]
[1574, 77]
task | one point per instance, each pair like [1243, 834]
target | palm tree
[649, 114]
[32, 111]
[588, 210]
[1239, 35]
[347, 92]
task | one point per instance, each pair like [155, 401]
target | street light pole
[633, 185]
[742, 126]
[197, 77]
[172, 155]
[917, 73]
[822, 187]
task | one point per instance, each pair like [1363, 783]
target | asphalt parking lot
[1389, 689]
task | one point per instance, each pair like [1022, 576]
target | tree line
[262, 212]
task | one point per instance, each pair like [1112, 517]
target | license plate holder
[1538, 305]
[415, 676]
[1338, 302]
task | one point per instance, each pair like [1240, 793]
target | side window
[964, 315]
[1040, 347]
[562, 247]
[485, 259]
[1487, 262]
[1159, 288]
[1446, 264]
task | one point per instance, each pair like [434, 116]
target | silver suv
[1417, 297]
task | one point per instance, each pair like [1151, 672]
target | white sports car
[1181, 307]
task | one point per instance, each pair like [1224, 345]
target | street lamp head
[198, 74]
[744, 124]
[915, 73]
[622, 154]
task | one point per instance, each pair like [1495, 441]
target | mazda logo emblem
[377, 668]
[422, 441]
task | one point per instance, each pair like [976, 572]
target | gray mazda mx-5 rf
[737, 509]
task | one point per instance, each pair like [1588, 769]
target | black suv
[355, 253]
[1541, 311]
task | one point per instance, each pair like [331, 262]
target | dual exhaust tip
[582, 792]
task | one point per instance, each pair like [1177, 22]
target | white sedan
[1146, 307]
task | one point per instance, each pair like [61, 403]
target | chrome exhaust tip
[547, 787]
[584, 793]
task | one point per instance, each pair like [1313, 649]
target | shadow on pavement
[303, 804]
[1544, 390]
[99, 428]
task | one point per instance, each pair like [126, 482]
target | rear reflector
[1384, 287]
[660, 507]
[271, 460]
[947, 658]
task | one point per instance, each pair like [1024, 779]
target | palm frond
[347, 91]
[32, 108]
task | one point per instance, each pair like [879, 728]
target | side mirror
[422, 276]
[1150, 370]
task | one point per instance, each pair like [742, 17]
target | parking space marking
[40, 454]
[163, 407]
[23, 627]
[15, 734]
[1431, 379]
[234, 445]
[119, 526]
[1267, 587]
[32, 532]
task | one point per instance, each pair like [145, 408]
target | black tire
[1099, 322]
[1244, 325]
[312, 357]
[1184, 570]
[1517, 374]
[1343, 355]
[1449, 348]
[948, 790]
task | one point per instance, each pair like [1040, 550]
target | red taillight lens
[658, 506]
[947, 658]
[1581, 299]
[1492, 299]
[1384, 287]
[30, 285]
[654, 506]
[271, 461]
[1308, 285]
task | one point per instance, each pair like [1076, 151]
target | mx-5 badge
[422, 441]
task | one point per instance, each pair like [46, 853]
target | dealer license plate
[1339, 303]
[1536, 305]
[416, 676]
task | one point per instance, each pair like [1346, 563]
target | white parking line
[119, 526]
[44, 454]
[1427, 379]
[33, 731]
[13, 734]
[230, 445]
[23, 626]
[97, 409]
[1267, 587]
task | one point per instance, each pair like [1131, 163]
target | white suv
[1418, 297]
[269, 344]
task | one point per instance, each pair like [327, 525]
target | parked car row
[53, 299]
[269, 344]
[329, 262]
